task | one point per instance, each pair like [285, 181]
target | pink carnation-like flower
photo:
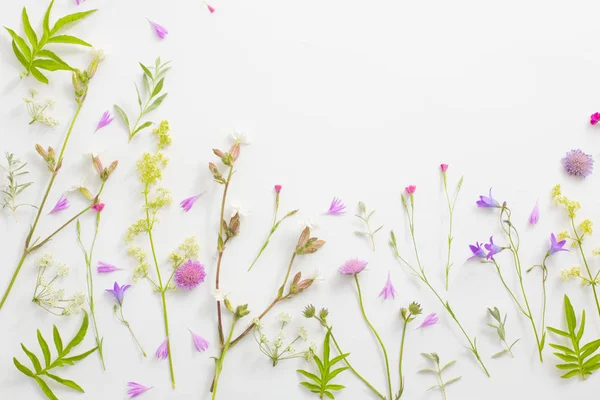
[352, 266]
[190, 275]
[595, 118]
[98, 207]
[444, 167]
[411, 189]
[277, 188]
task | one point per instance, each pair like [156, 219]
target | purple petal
[535, 214]
[61, 204]
[105, 120]
[161, 31]
[188, 203]
[337, 207]
[163, 350]
[388, 290]
[135, 389]
[105, 268]
[429, 320]
[200, 343]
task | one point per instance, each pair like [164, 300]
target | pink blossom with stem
[163, 350]
[444, 167]
[98, 207]
[161, 31]
[429, 320]
[595, 118]
[105, 120]
[352, 266]
[337, 207]
[411, 189]
[135, 389]
[61, 204]
[278, 188]
[388, 290]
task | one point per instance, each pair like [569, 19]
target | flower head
[352, 266]
[336, 207]
[161, 31]
[595, 118]
[477, 251]
[237, 208]
[98, 206]
[388, 290]
[303, 333]
[188, 203]
[487, 201]
[61, 204]
[444, 167]
[555, 246]
[135, 389]
[238, 137]
[118, 292]
[200, 343]
[190, 275]
[429, 320]
[411, 189]
[163, 350]
[535, 214]
[105, 268]
[277, 188]
[105, 120]
[492, 249]
[577, 163]
[284, 317]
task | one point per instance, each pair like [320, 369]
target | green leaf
[50, 65]
[70, 19]
[123, 115]
[570, 374]
[57, 340]
[589, 348]
[567, 366]
[592, 361]
[138, 96]
[310, 376]
[142, 126]
[80, 334]
[21, 43]
[500, 353]
[334, 387]
[320, 365]
[562, 348]
[542, 343]
[34, 360]
[570, 314]
[20, 56]
[581, 327]
[329, 395]
[46, 23]
[66, 382]
[326, 348]
[565, 357]
[157, 102]
[53, 56]
[44, 347]
[71, 360]
[311, 386]
[335, 373]
[593, 367]
[558, 332]
[338, 358]
[434, 386]
[451, 363]
[22, 368]
[452, 380]
[28, 29]
[425, 370]
[146, 71]
[68, 40]
[45, 388]
[158, 87]
[38, 75]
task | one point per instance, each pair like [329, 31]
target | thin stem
[442, 384]
[587, 267]
[124, 321]
[219, 362]
[385, 355]
[400, 362]
[510, 291]
[451, 214]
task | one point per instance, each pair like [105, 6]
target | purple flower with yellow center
[337, 207]
[61, 204]
[188, 203]
[388, 290]
[555, 246]
[106, 268]
[352, 266]
[577, 163]
[135, 389]
[477, 251]
[118, 292]
[488, 201]
[104, 121]
[492, 249]
[163, 350]
[189, 275]
[429, 320]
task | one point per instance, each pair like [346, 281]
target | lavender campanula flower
[555, 246]
[488, 201]
[492, 249]
[118, 292]
[477, 251]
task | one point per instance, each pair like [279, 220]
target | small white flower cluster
[49, 297]
[37, 111]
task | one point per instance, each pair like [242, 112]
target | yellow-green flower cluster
[571, 205]
[150, 167]
[573, 272]
[186, 250]
[563, 235]
[161, 198]
[164, 138]
[141, 270]
[596, 252]
[138, 227]
[585, 227]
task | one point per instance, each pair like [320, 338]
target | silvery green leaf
[452, 380]
[500, 353]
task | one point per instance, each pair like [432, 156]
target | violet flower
[61, 204]
[189, 275]
[352, 266]
[477, 251]
[555, 246]
[163, 350]
[595, 118]
[188, 203]
[336, 207]
[118, 292]
[488, 202]
[535, 214]
[577, 163]
[135, 389]
[105, 268]
[104, 121]
[388, 290]
[200, 343]
[492, 249]
[161, 31]
[429, 320]
[411, 189]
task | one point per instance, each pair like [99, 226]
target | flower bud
[93, 67]
[112, 167]
[228, 305]
[234, 225]
[51, 154]
[216, 174]
[219, 154]
[235, 151]
[86, 193]
[309, 311]
[296, 278]
[98, 165]
[303, 238]
[58, 166]
[303, 285]
[241, 311]
[40, 150]
[323, 313]
[76, 82]
[415, 308]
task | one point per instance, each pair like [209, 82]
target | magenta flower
[492, 249]
[411, 189]
[388, 290]
[595, 118]
[336, 207]
[487, 202]
[210, 8]
[200, 343]
[163, 350]
[189, 275]
[352, 266]
[188, 203]
[577, 163]
[135, 389]
[429, 320]
[98, 207]
[78, 2]
[555, 246]
[105, 120]
[161, 31]
[535, 214]
[477, 251]
[61, 204]
[277, 188]
[444, 167]
[118, 292]
[105, 268]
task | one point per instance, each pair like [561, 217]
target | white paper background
[350, 99]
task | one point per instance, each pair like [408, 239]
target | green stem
[587, 267]
[124, 321]
[219, 362]
[385, 355]
[401, 355]
[510, 291]
[451, 213]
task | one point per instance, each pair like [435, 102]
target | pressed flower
[239, 137]
[308, 223]
[577, 163]
[535, 214]
[200, 343]
[98, 207]
[161, 31]
[277, 189]
[555, 246]
[118, 292]
[444, 167]
[336, 207]
[410, 189]
[135, 389]
[595, 118]
[61, 204]
[492, 249]
[477, 251]
[388, 290]
[210, 8]
[188, 203]
[487, 201]
[104, 121]
[352, 266]
[237, 208]
[189, 275]
[429, 320]
[163, 350]
[105, 268]
[220, 294]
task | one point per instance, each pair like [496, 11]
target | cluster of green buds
[226, 158]
[411, 313]
[311, 312]
[81, 79]
[104, 173]
[238, 312]
[307, 244]
[49, 157]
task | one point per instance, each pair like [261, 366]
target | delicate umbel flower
[487, 201]
[210, 8]
[135, 389]
[98, 206]
[477, 251]
[534, 217]
[118, 292]
[105, 120]
[105, 268]
[200, 343]
[492, 249]
[163, 350]
[188, 203]
[45, 260]
[37, 110]
[586, 227]
[277, 188]
[302, 333]
[429, 320]
[161, 31]
[190, 275]
[62, 270]
[61, 204]
[595, 118]
[388, 290]
[577, 163]
[411, 189]
[444, 167]
[336, 207]
[555, 246]
[352, 267]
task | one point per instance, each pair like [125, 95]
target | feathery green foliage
[438, 371]
[500, 329]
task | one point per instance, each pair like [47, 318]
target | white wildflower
[62, 270]
[79, 298]
[240, 137]
[308, 223]
[45, 260]
[284, 317]
[237, 208]
[220, 294]
[257, 324]
[303, 333]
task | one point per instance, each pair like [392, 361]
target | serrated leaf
[28, 29]
[592, 361]
[335, 373]
[68, 39]
[22, 368]
[70, 19]
[320, 365]
[157, 102]
[20, 56]
[338, 358]
[589, 348]
[158, 87]
[142, 126]
[80, 334]
[45, 388]
[66, 382]
[44, 347]
[34, 360]
[122, 114]
[38, 75]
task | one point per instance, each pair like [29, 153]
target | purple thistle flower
[577, 163]
[477, 251]
[336, 207]
[487, 202]
[492, 249]
[135, 389]
[555, 246]
[535, 214]
[388, 290]
[161, 31]
[188, 203]
[200, 343]
[189, 275]
[105, 268]
[429, 320]
[163, 350]
[118, 292]
[105, 120]
[61, 204]
[352, 266]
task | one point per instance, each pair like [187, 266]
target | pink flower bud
[595, 118]
[277, 189]
[444, 167]
[98, 207]
[410, 189]
[210, 8]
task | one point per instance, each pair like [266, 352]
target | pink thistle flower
[535, 214]
[411, 189]
[189, 275]
[188, 203]
[577, 163]
[210, 8]
[161, 31]
[200, 343]
[277, 188]
[106, 268]
[98, 207]
[595, 118]
[336, 207]
[163, 350]
[429, 320]
[444, 167]
[104, 121]
[352, 266]
[388, 290]
[61, 204]
[135, 389]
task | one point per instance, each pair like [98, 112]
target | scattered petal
[220, 294]
[200, 343]
[135, 389]
[188, 203]
[535, 214]
[210, 8]
[388, 290]
[105, 268]
[161, 31]
[163, 350]
[104, 121]
[61, 204]
[336, 207]
[429, 320]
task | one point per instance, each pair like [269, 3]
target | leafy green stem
[579, 241]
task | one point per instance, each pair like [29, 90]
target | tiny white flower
[317, 276]
[263, 339]
[99, 53]
[79, 185]
[303, 333]
[239, 209]
[280, 336]
[284, 317]
[220, 294]
[240, 137]
[45, 260]
[79, 298]
[33, 92]
[257, 323]
[308, 223]
[62, 270]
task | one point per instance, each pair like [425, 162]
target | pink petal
[535, 214]
[161, 31]
[163, 350]
[210, 8]
[200, 343]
